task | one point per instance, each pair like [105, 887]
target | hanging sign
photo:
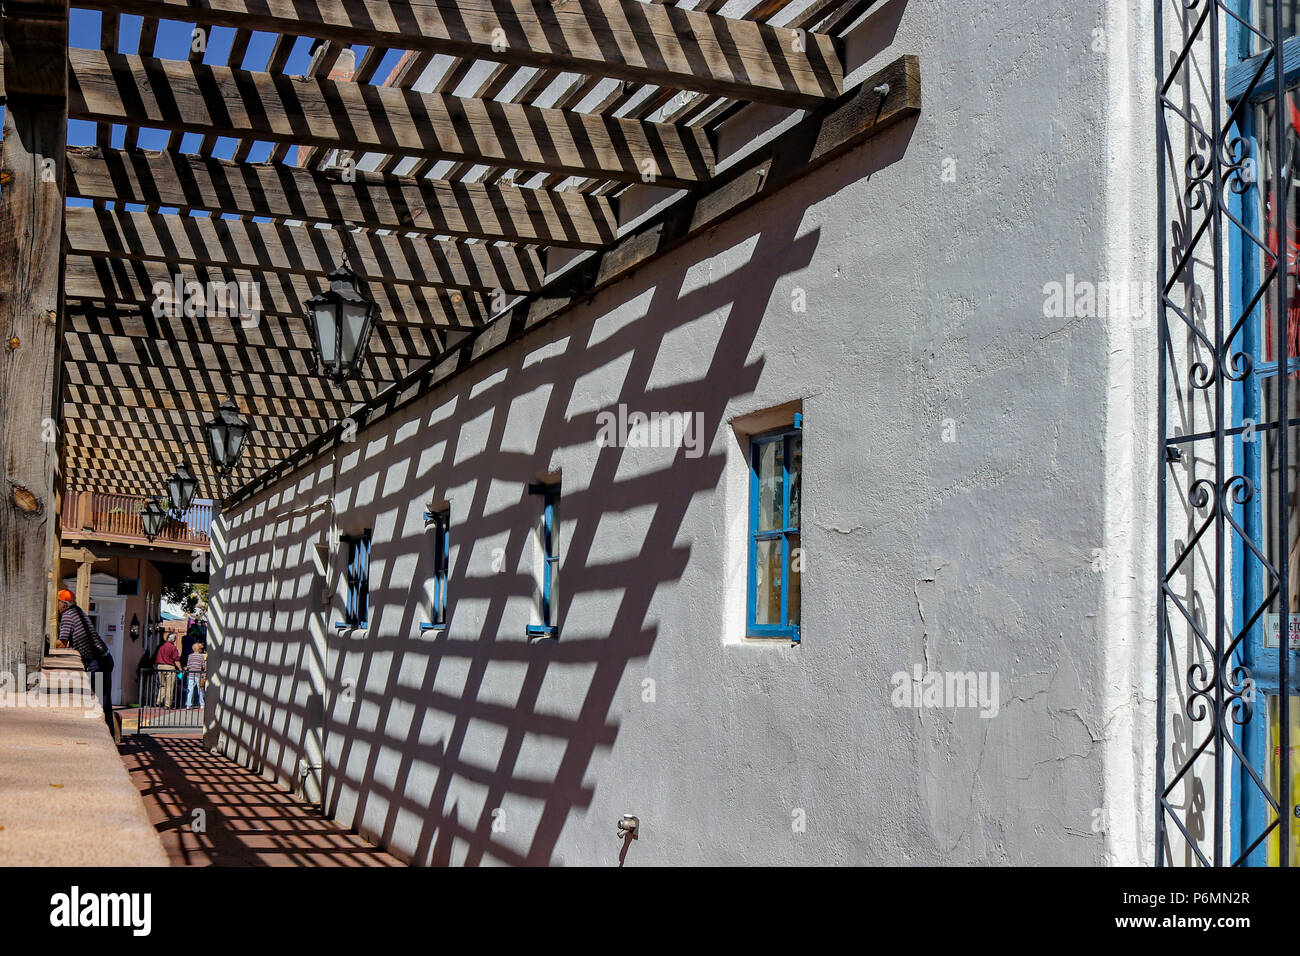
[1271, 622]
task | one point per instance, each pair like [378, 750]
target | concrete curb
[68, 800]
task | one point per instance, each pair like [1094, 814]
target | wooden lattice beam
[137, 400]
[123, 368]
[141, 436]
[246, 295]
[216, 100]
[278, 191]
[272, 332]
[302, 250]
[660, 44]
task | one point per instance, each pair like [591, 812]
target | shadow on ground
[212, 812]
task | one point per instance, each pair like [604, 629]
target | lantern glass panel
[181, 487]
[225, 435]
[152, 516]
[217, 444]
[326, 322]
[235, 434]
[354, 326]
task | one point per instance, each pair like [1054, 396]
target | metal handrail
[152, 715]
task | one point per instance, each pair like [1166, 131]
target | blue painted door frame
[1252, 812]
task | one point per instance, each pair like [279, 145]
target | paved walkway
[61, 779]
[247, 821]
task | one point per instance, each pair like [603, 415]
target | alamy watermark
[74, 689]
[194, 299]
[1079, 298]
[943, 690]
[624, 429]
[133, 911]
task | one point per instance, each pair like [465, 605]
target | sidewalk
[247, 821]
[65, 799]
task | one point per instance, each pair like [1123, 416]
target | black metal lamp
[181, 487]
[341, 318]
[152, 516]
[226, 434]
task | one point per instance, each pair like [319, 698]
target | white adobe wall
[925, 320]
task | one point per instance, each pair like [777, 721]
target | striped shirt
[75, 630]
[196, 663]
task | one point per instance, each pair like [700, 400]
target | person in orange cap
[66, 598]
[76, 631]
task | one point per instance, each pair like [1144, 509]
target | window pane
[796, 572]
[767, 583]
[1263, 18]
[771, 484]
[1270, 203]
[1269, 493]
[796, 477]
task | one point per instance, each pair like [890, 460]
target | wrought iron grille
[1225, 131]
[167, 701]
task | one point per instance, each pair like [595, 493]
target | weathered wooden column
[52, 609]
[84, 570]
[31, 313]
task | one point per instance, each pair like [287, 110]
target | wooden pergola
[469, 158]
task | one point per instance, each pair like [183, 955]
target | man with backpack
[76, 631]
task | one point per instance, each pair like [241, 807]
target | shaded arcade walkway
[245, 820]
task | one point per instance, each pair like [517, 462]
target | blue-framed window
[356, 611]
[440, 521]
[1252, 235]
[775, 554]
[550, 532]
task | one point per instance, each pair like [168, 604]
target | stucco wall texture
[973, 470]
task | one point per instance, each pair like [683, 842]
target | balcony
[116, 518]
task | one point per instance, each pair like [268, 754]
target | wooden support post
[52, 585]
[31, 233]
[84, 570]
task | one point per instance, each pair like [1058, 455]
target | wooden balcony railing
[92, 514]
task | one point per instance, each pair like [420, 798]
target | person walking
[168, 664]
[76, 631]
[196, 669]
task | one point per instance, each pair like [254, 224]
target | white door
[108, 615]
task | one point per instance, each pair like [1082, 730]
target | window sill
[793, 639]
[764, 649]
[340, 626]
[541, 631]
[425, 627]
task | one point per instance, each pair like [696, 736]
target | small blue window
[357, 611]
[441, 522]
[775, 558]
[549, 627]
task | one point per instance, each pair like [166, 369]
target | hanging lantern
[341, 318]
[152, 516]
[181, 487]
[226, 434]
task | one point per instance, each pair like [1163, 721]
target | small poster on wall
[1271, 624]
